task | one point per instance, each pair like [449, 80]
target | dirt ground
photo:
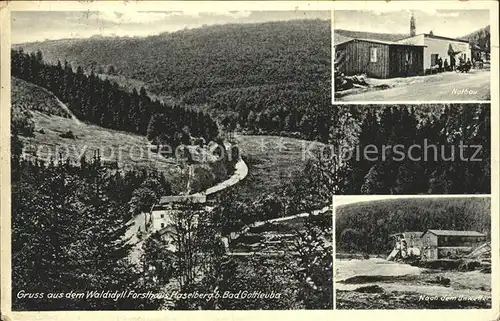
[380, 284]
[407, 300]
[448, 86]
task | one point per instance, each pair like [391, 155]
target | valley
[117, 149]
[273, 161]
[246, 203]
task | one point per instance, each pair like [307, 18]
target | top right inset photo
[411, 55]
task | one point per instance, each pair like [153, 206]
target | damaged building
[439, 244]
[435, 244]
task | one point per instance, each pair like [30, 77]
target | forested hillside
[480, 38]
[212, 58]
[254, 75]
[105, 104]
[341, 35]
[366, 226]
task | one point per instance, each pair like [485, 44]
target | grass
[51, 141]
[128, 150]
[27, 96]
[270, 161]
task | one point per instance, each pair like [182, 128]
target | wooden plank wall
[379, 69]
[390, 59]
[356, 59]
[398, 57]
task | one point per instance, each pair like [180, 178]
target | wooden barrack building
[379, 59]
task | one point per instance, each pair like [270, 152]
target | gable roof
[428, 35]
[410, 234]
[413, 234]
[455, 233]
[383, 42]
[193, 198]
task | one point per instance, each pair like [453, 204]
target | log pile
[343, 82]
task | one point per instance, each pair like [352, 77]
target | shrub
[68, 134]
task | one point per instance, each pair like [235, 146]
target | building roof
[193, 198]
[383, 42]
[445, 38]
[455, 233]
[409, 233]
[428, 35]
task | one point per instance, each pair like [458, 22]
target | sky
[30, 26]
[447, 23]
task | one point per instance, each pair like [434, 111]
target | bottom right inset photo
[412, 252]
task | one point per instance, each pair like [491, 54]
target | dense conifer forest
[68, 226]
[428, 159]
[82, 231]
[76, 215]
[209, 59]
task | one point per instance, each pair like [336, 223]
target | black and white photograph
[413, 252]
[412, 149]
[412, 55]
[164, 160]
[172, 157]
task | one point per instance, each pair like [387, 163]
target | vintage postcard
[171, 159]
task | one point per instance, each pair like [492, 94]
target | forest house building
[436, 47]
[379, 59]
[412, 239]
[163, 213]
[406, 244]
[439, 244]
[414, 55]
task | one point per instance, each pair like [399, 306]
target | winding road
[138, 222]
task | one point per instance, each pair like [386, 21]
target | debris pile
[343, 82]
[481, 253]
[370, 289]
